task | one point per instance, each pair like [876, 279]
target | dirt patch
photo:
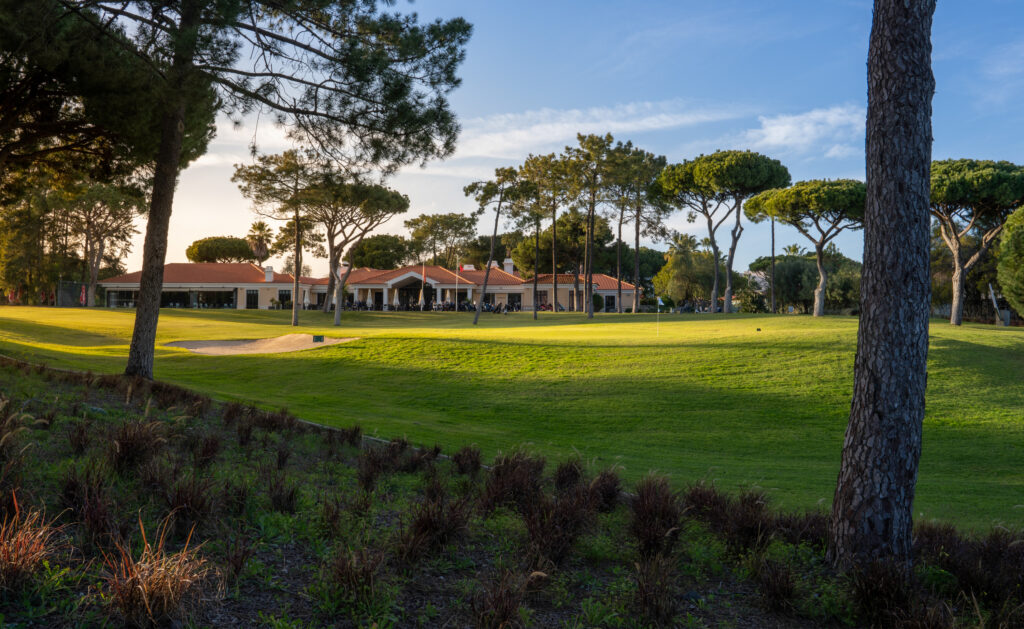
[276, 345]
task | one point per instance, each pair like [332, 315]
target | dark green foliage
[380, 251]
[220, 249]
[657, 516]
[598, 302]
[1011, 261]
[283, 452]
[237, 552]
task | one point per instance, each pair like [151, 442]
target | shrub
[468, 461]
[157, 587]
[237, 552]
[232, 412]
[598, 302]
[86, 493]
[244, 431]
[515, 480]
[880, 591]
[554, 524]
[352, 436]
[776, 584]
[418, 459]
[496, 605]
[206, 450]
[435, 521]
[655, 599]
[135, 442]
[370, 465]
[604, 490]
[656, 516]
[749, 524]
[283, 452]
[284, 496]
[190, 500]
[568, 475]
[354, 574]
[79, 436]
[26, 542]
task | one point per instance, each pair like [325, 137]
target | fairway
[743, 400]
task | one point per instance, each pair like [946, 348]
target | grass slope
[696, 396]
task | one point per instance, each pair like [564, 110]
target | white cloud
[840, 151]
[516, 134]
[835, 126]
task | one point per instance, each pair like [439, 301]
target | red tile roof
[206, 273]
[498, 277]
[437, 274]
[601, 281]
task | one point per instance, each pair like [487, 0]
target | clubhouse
[244, 286]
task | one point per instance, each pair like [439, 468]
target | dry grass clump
[26, 542]
[568, 475]
[86, 494]
[157, 587]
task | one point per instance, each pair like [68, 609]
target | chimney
[494, 264]
[468, 267]
[509, 267]
[342, 269]
[268, 274]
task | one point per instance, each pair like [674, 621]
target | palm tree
[259, 238]
[794, 250]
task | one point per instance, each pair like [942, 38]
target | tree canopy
[972, 198]
[220, 249]
[818, 209]
[1011, 261]
[380, 251]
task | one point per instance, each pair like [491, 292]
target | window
[252, 298]
[284, 296]
[542, 297]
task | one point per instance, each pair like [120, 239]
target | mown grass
[743, 401]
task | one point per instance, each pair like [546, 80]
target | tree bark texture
[819, 292]
[536, 266]
[772, 285]
[154, 249]
[636, 267]
[339, 294]
[297, 271]
[871, 514]
[554, 255]
[490, 258]
[618, 268]
[737, 231]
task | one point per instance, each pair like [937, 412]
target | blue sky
[678, 78]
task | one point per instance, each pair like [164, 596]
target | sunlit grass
[743, 400]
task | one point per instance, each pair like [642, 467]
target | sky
[786, 78]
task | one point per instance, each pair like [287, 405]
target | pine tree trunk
[165, 179]
[154, 249]
[588, 286]
[554, 256]
[490, 257]
[297, 270]
[333, 259]
[94, 259]
[536, 265]
[773, 267]
[737, 230]
[339, 290]
[819, 292]
[636, 267]
[871, 514]
[618, 268]
[956, 312]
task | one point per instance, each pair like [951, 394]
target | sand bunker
[286, 343]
